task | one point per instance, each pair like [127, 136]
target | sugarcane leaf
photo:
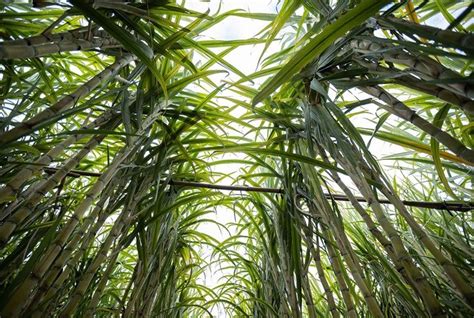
[319, 43]
[142, 51]
[438, 122]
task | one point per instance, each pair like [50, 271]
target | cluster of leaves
[107, 120]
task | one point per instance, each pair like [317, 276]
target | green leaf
[142, 51]
[322, 41]
[438, 122]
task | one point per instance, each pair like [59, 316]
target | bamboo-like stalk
[132, 281]
[80, 291]
[308, 295]
[21, 294]
[124, 219]
[352, 262]
[81, 33]
[9, 51]
[16, 302]
[141, 274]
[457, 40]
[341, 154]
[371, 226]
[64, 264]
[14, 184]
[409, 81]
[337, 269]
[150, 296]
[399, 109]
[30, 125]
[316, 254]
[330, 298]
[91, 308]
[285, 270]
[425, 67]
[148, 275]
[317, 210]
[398, 260]
[17, 181]
[20, 297]
[18, 216]
[424, 290]
[28, 199]
[466, 104]
[402, 257]
[17, 256]
[461, 283]
[353, 169]
[139, 282]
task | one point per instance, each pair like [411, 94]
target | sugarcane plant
[67, 252]
[116, 138]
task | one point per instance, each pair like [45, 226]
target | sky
[234, 28]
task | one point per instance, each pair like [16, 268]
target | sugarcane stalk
[48, 38]
[308, 295]
[12, 187]
[329, 296]
[30, 125]
[17, 51]
[337, 269]
[150, 295]
[315, 209]
[80, 291]
[415, 277]
[16, 302]
[17, 257]
[351, 259]
[410, 273]
[20, 297]
[371, 226]
[168, 254]
[409, 81]
[341, 154]
[124, 219]
[462, 284]
[457, 40]
[30, 192]
[92, 306]
[138, 290]
[286, 273]
[53, 283]
[316, 254]
[425, 67]
[64, 264]
[138, 281]
[357, 174]
[28, 205]
[467, 105]
[147, 278]
[399, 109]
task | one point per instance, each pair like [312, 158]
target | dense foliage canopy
[347, 159]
